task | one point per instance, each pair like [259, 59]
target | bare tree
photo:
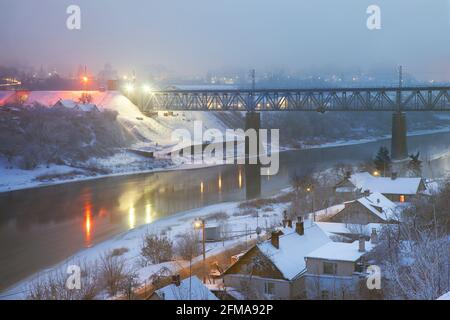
[114, 273]
[156, 249]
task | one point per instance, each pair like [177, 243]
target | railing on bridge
[319, 100]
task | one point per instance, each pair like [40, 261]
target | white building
[336, 269]
[274, 269]
[395, 188]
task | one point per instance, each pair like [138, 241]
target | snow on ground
[445, 296]
[349, 142]
[239, 225]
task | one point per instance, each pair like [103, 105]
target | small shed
[213, 232]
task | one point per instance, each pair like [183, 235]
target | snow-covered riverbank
[125, 163]
[239, 222]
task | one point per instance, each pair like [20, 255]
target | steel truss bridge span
[319, 100]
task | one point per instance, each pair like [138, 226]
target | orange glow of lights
[220, 182]
[201, 187]
[85, 79]
[402, 198]
[88, 223]
[240, 179]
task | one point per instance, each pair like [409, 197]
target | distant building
[336, 269]
[274, 268]
[70, 104]
[188, 289]
[373, 208]
[395, 188]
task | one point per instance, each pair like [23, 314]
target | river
[43, 226]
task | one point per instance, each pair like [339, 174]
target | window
[402, 198]
[269, 288]
[329, 268]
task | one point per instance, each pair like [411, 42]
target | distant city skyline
[190, 39]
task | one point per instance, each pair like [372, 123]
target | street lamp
[129, 88]
[311, 190]
[200, 223]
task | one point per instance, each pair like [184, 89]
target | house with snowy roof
[274, 268]
[190, 288]
[398, 189]
[337, 269]
[70, 104]
[372, 208]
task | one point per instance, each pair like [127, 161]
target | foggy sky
[191, 37]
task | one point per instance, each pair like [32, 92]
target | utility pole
[400, 85]
[252, 93]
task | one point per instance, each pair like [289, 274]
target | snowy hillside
[146, 129]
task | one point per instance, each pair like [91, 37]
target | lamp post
[200, 223]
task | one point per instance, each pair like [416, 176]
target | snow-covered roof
[379, 205]
[349, 229]
[87, 107]
[290, 257]
[340, 251]
[67, 103]
[70, 104]
[386, 185]
[189, 289]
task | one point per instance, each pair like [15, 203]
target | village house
[397, 189]
[337, 269]
[188, 289]
[372, 208]
[70, 104]
[273, 269]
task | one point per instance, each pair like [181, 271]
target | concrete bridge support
[252, 171]
[252, 121]
[399, 146]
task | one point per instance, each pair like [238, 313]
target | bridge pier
[252, 121]
[252, 171]
[399, 146]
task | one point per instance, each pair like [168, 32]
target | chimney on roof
[394, 175]
[289, 223]
[374, 236]
[362, 244]
[366, 193]
[348, 174]
[275, 239]
[176, 280]
[299, 226]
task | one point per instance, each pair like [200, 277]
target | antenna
[400, 76]
[252, 75]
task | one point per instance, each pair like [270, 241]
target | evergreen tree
[382, 160]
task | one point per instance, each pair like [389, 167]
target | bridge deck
[319, 100]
